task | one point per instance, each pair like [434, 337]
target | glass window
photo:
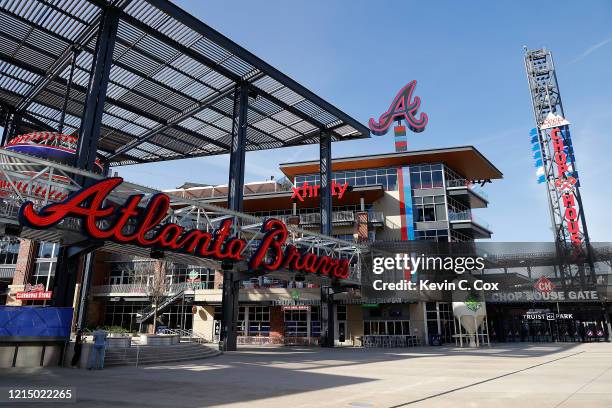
[440, 212]
[415, 180]
[391, 182]
[437, 179]
[9, 250]
[426, 180]
[48, 250]
[341, 312]
[429, 213]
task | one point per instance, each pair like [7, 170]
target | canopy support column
[60, 126]
[72, 257]
[231, 285]
[87, 145]
[325, 175]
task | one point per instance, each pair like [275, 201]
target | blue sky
[468, 60]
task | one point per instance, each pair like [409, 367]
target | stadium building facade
[418, 195]
[383, 200]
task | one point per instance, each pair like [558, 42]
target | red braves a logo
[402, 107]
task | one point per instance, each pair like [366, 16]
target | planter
[118, 335]
[118, 342]
[159, 339]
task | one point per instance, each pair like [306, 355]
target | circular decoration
[52, 146]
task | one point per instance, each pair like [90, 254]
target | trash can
[435, 340]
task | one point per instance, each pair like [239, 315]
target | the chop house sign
[89, 205]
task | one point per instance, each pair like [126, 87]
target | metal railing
[337, 216]
[376, 217]
[454, 179]
[189, 335]
[467, 215]
[142, 288]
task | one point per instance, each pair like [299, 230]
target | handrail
[191, 334]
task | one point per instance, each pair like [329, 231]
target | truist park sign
[92, 207]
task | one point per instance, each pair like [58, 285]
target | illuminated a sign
[307, 190]
[544, 285]
[565, 184]
[88, 205]
[403, 107]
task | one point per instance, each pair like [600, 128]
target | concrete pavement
[509, 375]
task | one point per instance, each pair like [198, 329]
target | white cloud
[591, 50]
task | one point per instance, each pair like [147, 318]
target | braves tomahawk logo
[402, 107]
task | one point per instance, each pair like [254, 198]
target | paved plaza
[511, 375]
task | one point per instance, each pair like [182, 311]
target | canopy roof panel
[172, 83]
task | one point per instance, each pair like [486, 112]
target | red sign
[88, 205]
[565, 185]
[311, 191]
[36, 292]
[544, 285]
[402, 107]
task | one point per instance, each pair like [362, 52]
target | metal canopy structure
[172, 86]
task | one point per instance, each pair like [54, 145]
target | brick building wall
[277, 322]
[23, 270]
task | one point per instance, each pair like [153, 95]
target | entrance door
[342, 337]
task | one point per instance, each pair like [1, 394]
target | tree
[153, 273]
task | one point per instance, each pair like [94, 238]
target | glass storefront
[546, 322]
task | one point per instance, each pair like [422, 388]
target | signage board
[553, 121]
[92, 207]
[42, 295]
[403, 107]
[307, 190]
[544, 285]
[295, 307]
[34, 292]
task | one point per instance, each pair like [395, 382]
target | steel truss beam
[39, 188]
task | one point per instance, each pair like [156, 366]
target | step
[149, 356]
[186, 355]
[162, 360]
[123, 353]
[159, 354]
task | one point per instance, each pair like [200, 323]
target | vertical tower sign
[555, 163]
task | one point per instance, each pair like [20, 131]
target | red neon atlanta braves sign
[88, 205]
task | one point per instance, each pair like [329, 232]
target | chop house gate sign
[89, 205]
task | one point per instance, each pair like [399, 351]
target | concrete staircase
[158, 354]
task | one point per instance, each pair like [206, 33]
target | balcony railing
[143, 289]
[471, 186]
[376, 217]
[337, 217]
[466, 215]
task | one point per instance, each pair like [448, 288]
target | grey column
[325, 173]
[231, 286]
